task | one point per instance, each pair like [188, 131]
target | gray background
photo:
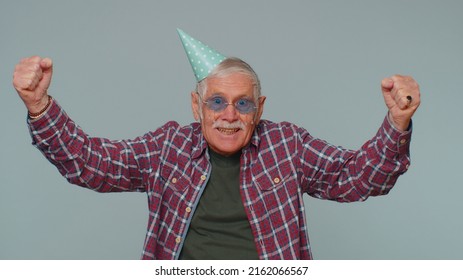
[120, 71]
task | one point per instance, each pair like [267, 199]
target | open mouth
[228, 131]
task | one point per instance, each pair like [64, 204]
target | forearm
[95, 163]
[381, 161]
[345, 175]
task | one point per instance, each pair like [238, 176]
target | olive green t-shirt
[220, 228]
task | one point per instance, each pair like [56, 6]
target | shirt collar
[255, 139]
[201, 145]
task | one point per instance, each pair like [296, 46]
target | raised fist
[402, 97]
[31, 79]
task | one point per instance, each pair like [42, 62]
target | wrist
[401, 125]
[37, 113]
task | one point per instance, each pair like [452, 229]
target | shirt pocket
[175, 179]
[274, 177]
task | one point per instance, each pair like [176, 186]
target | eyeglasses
[218, 104]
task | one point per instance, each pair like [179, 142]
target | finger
[34, 75]
[47, 71]
[30, 61]
[22, 83]
[46, 64]
[38, 76]
[27, 80]
[34, 82]
[33, 59]
[27, 74]
[409, 100]
[404, 100]
[387, 84]
[22, 79]
[23, 68]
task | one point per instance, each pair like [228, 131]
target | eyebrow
[220, 94]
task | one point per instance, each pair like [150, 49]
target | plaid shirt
[280, 164]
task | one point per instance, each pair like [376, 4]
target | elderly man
[229, 186]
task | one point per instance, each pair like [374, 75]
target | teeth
[228, 130]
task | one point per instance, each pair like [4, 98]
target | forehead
[235, 84]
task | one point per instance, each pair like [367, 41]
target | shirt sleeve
[343, 175]
[96, 163]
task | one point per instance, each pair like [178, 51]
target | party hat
[202, 58]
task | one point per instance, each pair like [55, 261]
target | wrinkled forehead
[230, 84]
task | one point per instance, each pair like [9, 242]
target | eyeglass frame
[253, 102]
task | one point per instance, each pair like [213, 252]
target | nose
[230, 113]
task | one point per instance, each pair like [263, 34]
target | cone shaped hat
[203, 59]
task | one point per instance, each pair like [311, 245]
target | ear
[195, 104]
[260, 110]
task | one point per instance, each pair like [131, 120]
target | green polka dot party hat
[203, 59]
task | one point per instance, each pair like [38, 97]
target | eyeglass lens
[218, 104]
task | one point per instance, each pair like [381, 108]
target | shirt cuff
[43, 129]
[395, 139]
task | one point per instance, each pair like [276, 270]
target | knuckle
[26, 82]
[26, 75]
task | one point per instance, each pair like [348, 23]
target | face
[227, 131]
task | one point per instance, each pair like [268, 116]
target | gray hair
[229, 66]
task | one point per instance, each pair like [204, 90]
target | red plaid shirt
[171, 164]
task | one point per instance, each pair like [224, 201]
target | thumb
[386, 85]
[47, 71]
[46, 63]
